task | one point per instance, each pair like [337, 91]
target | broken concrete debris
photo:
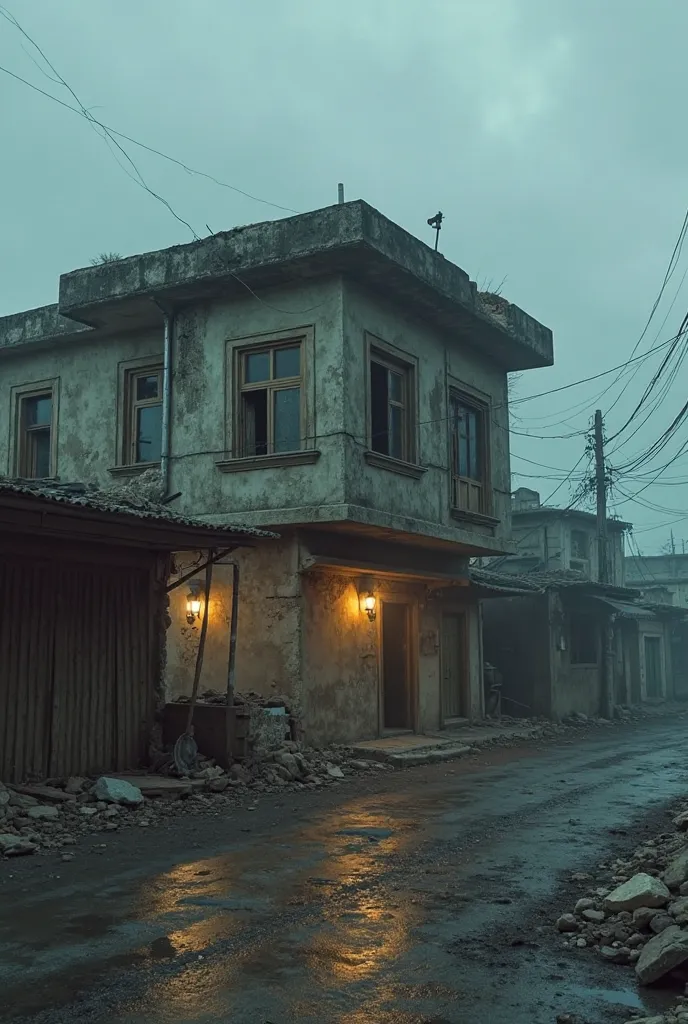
[117, 791]
[641, 918]
[640, 891]
[31, 820]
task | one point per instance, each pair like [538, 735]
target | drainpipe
[168, 322]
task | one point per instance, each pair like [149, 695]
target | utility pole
[607, 628]
[601, 487]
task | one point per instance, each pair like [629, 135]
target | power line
[150, 149]
[95, 124]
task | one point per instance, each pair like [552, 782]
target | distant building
[556, 538]
[662, 579]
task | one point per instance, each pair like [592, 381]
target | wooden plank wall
[78, 654]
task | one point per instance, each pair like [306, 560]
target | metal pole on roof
[340, 192]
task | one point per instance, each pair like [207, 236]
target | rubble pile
[639, 916]
[55, 815]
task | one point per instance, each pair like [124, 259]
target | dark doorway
[396, 692]
[454, 673]
[653, 667]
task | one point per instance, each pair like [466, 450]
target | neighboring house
[662, 579]
[565, 644]
[328, 376]
[663, 582]
[556, 538]
[83, 578]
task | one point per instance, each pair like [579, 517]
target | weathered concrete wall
[341, 658]
[205, 338]
[442, 362]
[87, 372]
[578, 688]
[268, 629]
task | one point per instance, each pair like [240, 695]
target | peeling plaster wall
[442, 361]
[205, 337]
[268, 657]
[341, 660]
[87, 399]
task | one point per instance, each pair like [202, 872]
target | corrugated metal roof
[116, 502]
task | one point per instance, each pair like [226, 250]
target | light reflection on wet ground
[372, 913]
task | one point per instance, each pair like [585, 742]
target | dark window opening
[270, 401]
[584, 633]
[35, 440]
[390, 415]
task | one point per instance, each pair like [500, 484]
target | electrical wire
[194, 171]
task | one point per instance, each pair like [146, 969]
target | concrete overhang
[350, 239]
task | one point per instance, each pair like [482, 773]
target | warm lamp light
[193, 602]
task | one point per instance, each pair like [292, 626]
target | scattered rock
[615, 954]
[643, 915]
[640, 891]
[15, 846]
[596, 916]
[43, 812]
[662, 954]
[218, 785]
[117, 791]
[583, 904]
[88, 811]
[567, 923]
[75, 784]
[660, 922]
[334, 771]
[677, 872]
[679, 910]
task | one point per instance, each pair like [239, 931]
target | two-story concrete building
[328, 376]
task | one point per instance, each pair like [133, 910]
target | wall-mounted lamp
[366, 597]
[369, 605]
[193, 601]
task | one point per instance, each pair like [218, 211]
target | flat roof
[351, 239]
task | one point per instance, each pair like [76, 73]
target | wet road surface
[418, 897]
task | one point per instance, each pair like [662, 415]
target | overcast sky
[550, 133]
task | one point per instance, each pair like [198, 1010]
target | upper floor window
[271, 399]
[391, 407]
[580, 551]
[143, 434]
[468, 426]
[35, 435]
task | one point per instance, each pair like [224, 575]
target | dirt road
[418, 897]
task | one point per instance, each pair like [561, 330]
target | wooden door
[454, 667]
[653, 667]
[396, 689]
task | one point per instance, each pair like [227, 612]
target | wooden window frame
[20, 454]
[271, 386]
[131, 407]
[378, 351]
[481, 488]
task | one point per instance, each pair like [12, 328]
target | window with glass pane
[271, 400]
[390, 415]
[143, 443]
[35, 442]
[467, 431]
